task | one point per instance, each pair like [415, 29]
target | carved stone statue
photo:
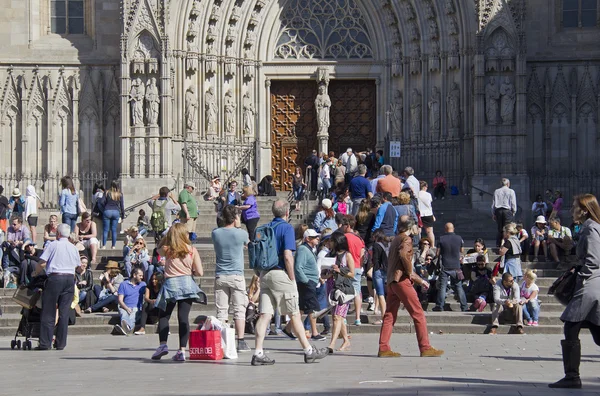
[191, 106]
[434, 109]
[396, 109]
[449, 7]
[211, 111]
[136, 97]
[322, 106]
[413, 31]
[452, 26]
[492, 95]
[454, 106]
[507, 103]
[229, 113]
[152, 102]
[415, 111]
[249, 113]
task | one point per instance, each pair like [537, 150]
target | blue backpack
[262, 252]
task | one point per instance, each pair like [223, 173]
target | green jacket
[305, 265]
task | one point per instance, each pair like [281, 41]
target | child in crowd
[539, 236]
[529, 298]
[481, 286]
[341, 205]
[524, 239]
[143, 222]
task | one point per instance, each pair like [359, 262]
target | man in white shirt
[411, 180]
[560, 239]
[504, 208]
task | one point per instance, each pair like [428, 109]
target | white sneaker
[126, 326]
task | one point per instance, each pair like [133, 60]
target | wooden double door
[294, 122]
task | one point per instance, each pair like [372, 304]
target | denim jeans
[131, 318]
[379, 279]
[298, 192]
[326, 187]
[104, 302]
[110, 219]
[323, 303]
[456, 284]
[531, 310]
[70, 219]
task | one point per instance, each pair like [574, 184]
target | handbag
[81, 208]
[26, 297]
[564, 287]
[205, 345]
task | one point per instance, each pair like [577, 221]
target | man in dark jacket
[312, 163]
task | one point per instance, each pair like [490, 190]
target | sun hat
[326, 203]
[16, 193]
[540, 219]
[112, 265]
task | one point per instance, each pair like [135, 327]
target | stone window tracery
[67, 17]
[580, 13]
[323, 29]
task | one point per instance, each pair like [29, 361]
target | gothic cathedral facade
[154, 92]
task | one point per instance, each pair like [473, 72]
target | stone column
[75, 125]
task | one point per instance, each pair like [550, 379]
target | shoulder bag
[564, 287]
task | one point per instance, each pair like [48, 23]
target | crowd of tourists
[373, 222]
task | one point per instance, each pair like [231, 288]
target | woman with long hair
[344, 267]
[365, 218]
[68, 202]
[426, 211]
[181, 264]
[113, 211]
[149, 308]
[298, 186]
[583, 310]
[381, 250]
[325, 218]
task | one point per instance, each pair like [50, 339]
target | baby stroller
[30, 298]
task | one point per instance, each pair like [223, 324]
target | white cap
[326, 203]
[349, 150]
[540, 219]
[310, 233]
[189, 184]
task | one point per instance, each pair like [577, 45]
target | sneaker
[437, 309]
[493, 331]
[118, 330]
[242, 346]
[126, 327]
[388, 354]
[289, 334]
[357, 322]
[326, 332]
[315, 354]
[179, 356]
[263, 360]
[529, 323]
[278, 332]
[318, 337]
[432, 352]
[161, 351]
[140, 332]
[535, 323]
[371, 307]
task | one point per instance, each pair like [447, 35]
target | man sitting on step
[506, 300]
[131, 298]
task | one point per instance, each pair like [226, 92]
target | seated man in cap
[31, 257]
[16, 235]
[107, 293]
[560, 239]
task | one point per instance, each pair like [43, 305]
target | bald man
[450, 250]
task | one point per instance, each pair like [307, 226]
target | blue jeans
[379, 279]
[456, 284]
[104, 302]
[70, 219]
[131, 318]
[298, 193]
[110, 220]
[323, 303]
[531, 310]
[326, 187]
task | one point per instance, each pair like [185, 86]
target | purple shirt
[252, 211]
[18, 236]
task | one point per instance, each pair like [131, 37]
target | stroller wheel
[18, 344]
[27, 345]
[13, 344]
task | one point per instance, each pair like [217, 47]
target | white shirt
[61, 257]
[425, 203]
[504, 198]
[414, 185]
[325, 172]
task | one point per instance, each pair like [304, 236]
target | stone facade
[159, 91]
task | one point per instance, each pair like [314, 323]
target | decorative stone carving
[215, 13]
[397, 62]
[231, 33]
[449, 7]
[453, 56]
[428, 9]
[453, 106]
[211, 111]
[211, 34]
[152, 102]
[434, 109]
[229, 113]
[248, 69]
[396, 113]
[136, 97]
[324, 32]
[413, 30]
[250, 38]
[230, 61]
[434, 58]
[249, 115]
[492, 96]
[415, 58]
[236, 13]
[507, 103]
[452, 26]
[433, 29]
[415, 111]
[191, 108]
[254, 18]
[211, 58]
[322, 106]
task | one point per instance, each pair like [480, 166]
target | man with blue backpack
[271, 255]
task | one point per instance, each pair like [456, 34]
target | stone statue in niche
[507, 103]
[415, 111]
[249, 113]
[396, 109]
[452, 26]
[211, 111]
[136, 97]
[322, 106]
[152, 102]
[229, 113]
[449, 7]
[434, 109]
[413, 32]
[492, 95]
[433, 29]
[454, 106]
[191, 106]
[428, 10]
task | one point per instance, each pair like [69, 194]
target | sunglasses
[15, 224]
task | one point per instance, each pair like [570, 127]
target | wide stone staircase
[451, 321]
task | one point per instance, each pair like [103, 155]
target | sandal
[88, 311]
[105, 310]
[378, 322]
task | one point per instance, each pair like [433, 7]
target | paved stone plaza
[473, 365]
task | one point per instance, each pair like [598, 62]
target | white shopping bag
[212, 323]
[229, 343]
